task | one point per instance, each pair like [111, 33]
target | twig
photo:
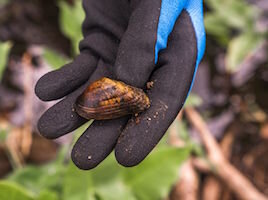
[26, 142]
[11, 146]
[233, 178]
[213, 187]
[188, 184]
[19, 140]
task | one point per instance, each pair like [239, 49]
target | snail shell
[109, 99]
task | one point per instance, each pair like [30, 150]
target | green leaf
[240, 48]
[4, 51]
[193, 100]
[115, 190]
[36, 179]
[12, 191]
[3, 135]
[3, 2]
[180, 129]
[216, 27]
[47, 195]
[197, 149]
[71, 19]
[154, 177]
[236, 14]
[55, 59]
[183, 131]
[102, 182]
[107, 178]
[77, 184]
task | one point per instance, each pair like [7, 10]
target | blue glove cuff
[170, 12]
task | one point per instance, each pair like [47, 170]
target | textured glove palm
[133, 41]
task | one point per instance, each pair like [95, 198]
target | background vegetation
[230, 93]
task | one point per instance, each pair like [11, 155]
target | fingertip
[44, 129]
[53, 124]
[83, 161]
[61, 118]
[43, 87]
[96, 143]
[134, 144]
[59, 83]
[125, 157]
[138, 139]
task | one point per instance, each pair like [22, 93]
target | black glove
[122, 40]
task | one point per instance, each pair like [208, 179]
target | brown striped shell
[109, 99]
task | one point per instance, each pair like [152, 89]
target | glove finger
[61, 118]
[57, 84]
[150, 25]
[97, 142]
[172, 81]
[136, 58]
[105, 23]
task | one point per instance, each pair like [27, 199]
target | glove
[134, 41]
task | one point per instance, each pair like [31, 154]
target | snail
[110, 99]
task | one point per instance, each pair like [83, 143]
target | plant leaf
[3, 2]
[4, 51]
[77, 184]
[108, 178]
[154, 177]
[216, 27]
[12, 191]
[71, 19]
[47, 195]
[36, 179]
[193, 100]
[240, 48]
[236, 14]
[54, 59]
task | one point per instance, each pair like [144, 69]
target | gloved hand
[134, 41]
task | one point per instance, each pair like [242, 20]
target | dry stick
[212, 187]
[11, 148]
[18, 144]
[233, 178]
[26, 142]
[226, 147]
[187, 187]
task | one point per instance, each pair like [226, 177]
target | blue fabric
[169, 13]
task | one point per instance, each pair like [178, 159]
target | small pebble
[150, 84]
[137, 120]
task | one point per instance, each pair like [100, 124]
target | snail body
[109, 99]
